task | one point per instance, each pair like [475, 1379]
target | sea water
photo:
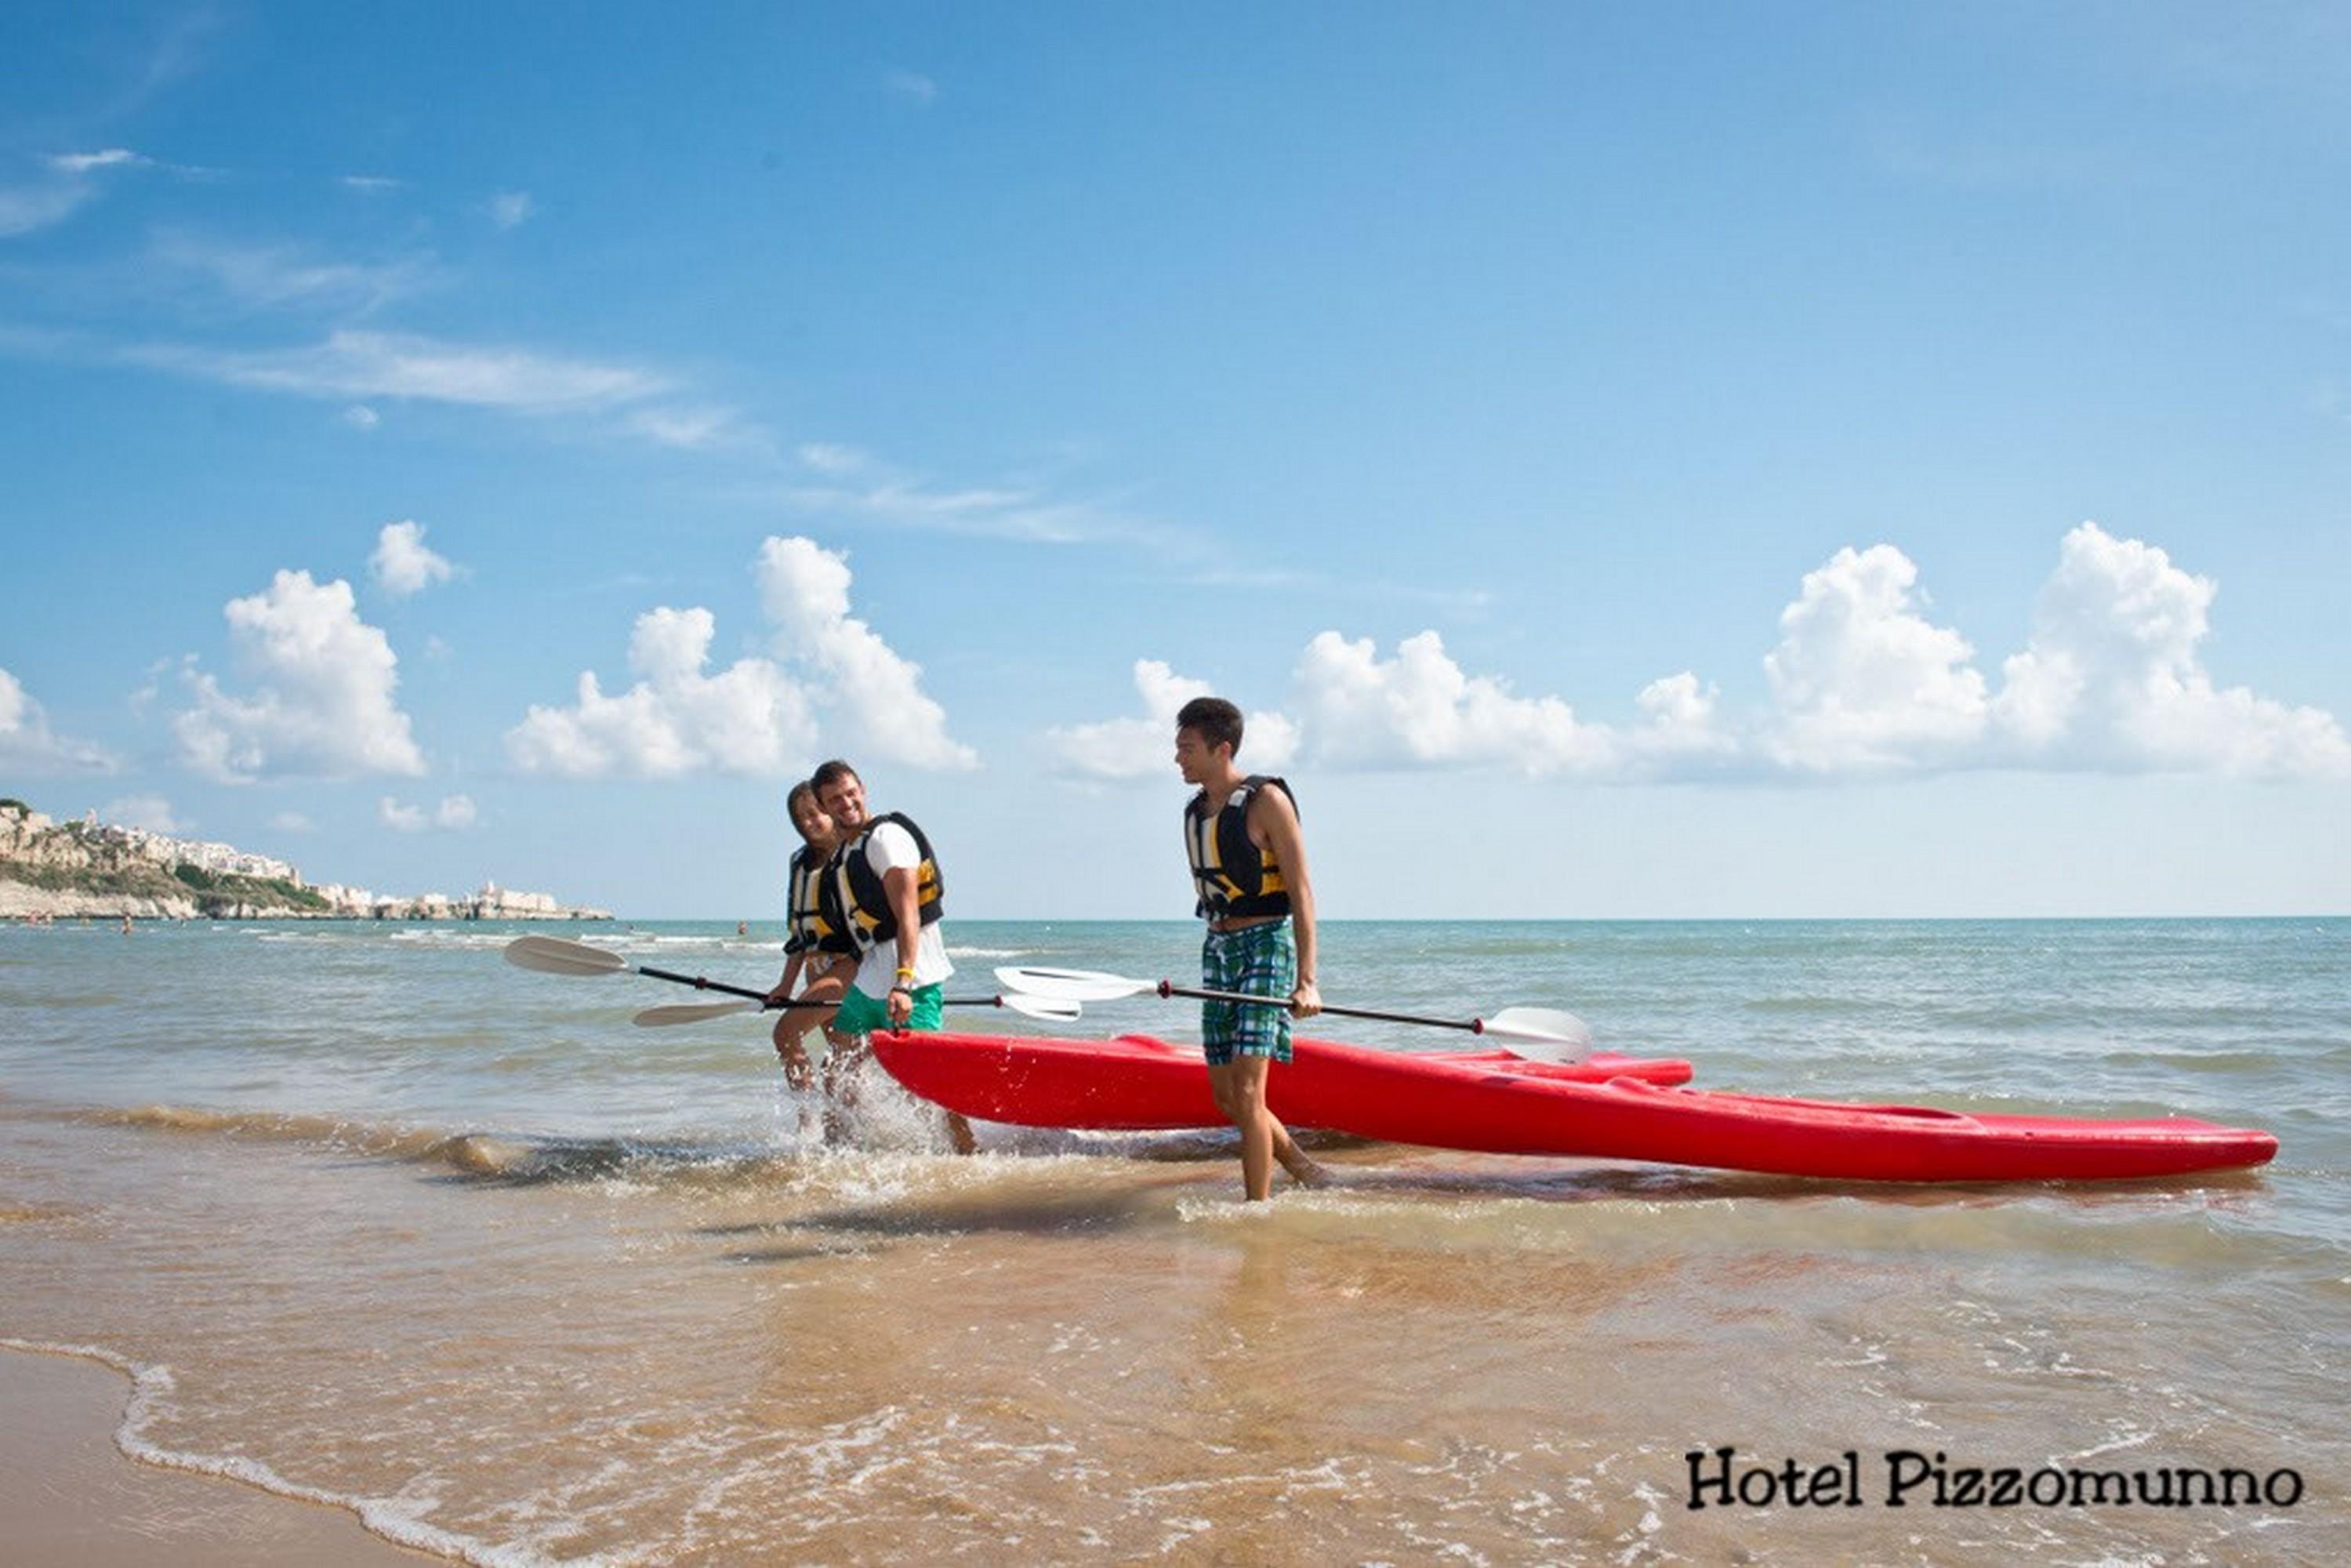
[376, 1218]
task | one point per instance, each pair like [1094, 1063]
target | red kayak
[1495, 1103]
[1136, 1083]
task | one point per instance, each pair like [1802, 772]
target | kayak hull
[1138, 1083]
[1489, 1103]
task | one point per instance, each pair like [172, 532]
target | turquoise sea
[369, 1216]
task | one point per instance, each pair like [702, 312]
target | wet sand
[68, 1495]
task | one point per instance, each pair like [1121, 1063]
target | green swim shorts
[861, 1014]
[1261, 961]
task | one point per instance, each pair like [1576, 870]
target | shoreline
[73, 1495]
[19, 900]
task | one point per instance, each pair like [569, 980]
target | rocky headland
[91, 869]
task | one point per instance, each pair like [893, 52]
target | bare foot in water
[1306, 1172]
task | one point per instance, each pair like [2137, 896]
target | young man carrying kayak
[1248, 867]
[882, 888]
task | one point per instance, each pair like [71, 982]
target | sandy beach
[70, 1495]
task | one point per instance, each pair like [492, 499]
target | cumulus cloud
[1861, 680]
[749, 719]
[322, 702]
[403, 564]
[1420, 709]
[152, 812]
[1145, 746]
[875, 691]
[455, 811]
[28, 744]
[1862, 684]
[2111, 677]
[759, 716]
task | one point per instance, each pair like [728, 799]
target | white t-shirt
[889, 848]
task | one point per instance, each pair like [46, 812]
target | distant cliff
[85, 868]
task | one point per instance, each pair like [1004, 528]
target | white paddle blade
[1050, 1008]
[691, 1012]
[1540, 1034]
[1072, 984]
[553, 956]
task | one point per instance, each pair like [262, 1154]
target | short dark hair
[1213, 719]
[806, 788]
[828, 774]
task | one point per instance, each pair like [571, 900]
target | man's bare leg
[959, 1134]
[840, 1083]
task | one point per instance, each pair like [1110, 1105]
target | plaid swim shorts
[1262, 961]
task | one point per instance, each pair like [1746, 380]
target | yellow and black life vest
[852, 899]
[806, 928]
[1236, 879]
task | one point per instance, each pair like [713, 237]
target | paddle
[553, 956]
[1050, 1008]
[1554, 1035]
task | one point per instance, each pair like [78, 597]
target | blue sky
[1663, 461]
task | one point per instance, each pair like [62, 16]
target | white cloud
[1679, 732]
[1420, 709]
[1861, 681]
[69, 185]
[151, 812]
[829, 457]
[455, 811]
[1144, 748]
[805, 591]
[751, 718]
[272, 277]
[694, 429]
[759, 717]
[358, 416]
[403, 564]
[355, 364]
[369, 185]
[855, 485]
[24, 209]
[79, 163]
[2111, 677]
[293, 822]
[323, 700]
[28, 746]
[509, 209]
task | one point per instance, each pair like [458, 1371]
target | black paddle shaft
[1168, 989]
[701, 983]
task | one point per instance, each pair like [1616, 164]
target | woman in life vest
[826, 958]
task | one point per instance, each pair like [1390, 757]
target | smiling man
[883, 888]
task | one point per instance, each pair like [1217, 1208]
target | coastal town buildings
[37, 848]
